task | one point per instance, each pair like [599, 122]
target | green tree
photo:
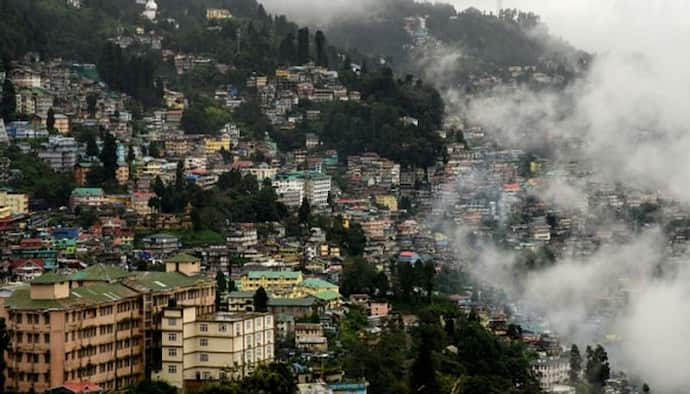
[303, 45]
[221, 288]
[645, 388]
[260, 300]
[5, 341]
[304, 212]
[179, 177]
[320, 41]
[91, 145]
[575, 364]
[108, 156]
[598, 370]
[8, 105]
[91, 101]
[151, 387]
[50, 120]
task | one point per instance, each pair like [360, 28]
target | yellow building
[215, 144]
[388, 201]
[213, 346]
[5, 212]
[61, 123]
[17, 203]
[271, 281]
[122, 173]
[218, 13]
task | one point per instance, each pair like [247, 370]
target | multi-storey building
[60, 334]
[197, 347]
[271, 281]
[17, 203]
[86, 196]
[294, 186]
[60, 153]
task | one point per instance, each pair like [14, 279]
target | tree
[575, 364]
[50, 120]
[221, 287]
[5, 341]
[91, 145]
[179, 176]
[645, 388]
[260, 300]
[321, 56]
[304, 212]
[303, 45]
[91, 101]
[130, 155]
[108, 156]
[151, 387]
[8, 105]
[598, 370]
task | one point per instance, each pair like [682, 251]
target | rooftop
[273, 274]
[92, 295]
[49, 278]
[100, 272]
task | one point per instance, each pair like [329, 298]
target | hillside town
[132, 249]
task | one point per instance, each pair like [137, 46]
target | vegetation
[38, 179]
[274, 378]
[398, 362]
[260, 300]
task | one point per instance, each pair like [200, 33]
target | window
[222, 328]
[203, 342]
[46, 338]
[172, 352]
[172, 322]
[203, 357]
[172, 368]
[203, 327]
[172, 337]
[206, 375]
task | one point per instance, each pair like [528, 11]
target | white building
[293, 187]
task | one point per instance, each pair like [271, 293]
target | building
[140, 202]
[60, 153]
[62, 335]
[161, 244]
[216, 144]
[61, 123]
[551, 371]
[212, 346]
[86, 196]
[272, 281]
[17, 203]
[309, 337]
[293, 187]
[217, 13]
[101, 324]
[240, 301]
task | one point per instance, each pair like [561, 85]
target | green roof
[241, 294]
[87, 191]
[315, 283]
[327, 295]
[90, 295]
[162, 281]
[183, 258]
[100, 272]
[49, 278]
[274, 274]
[296, 302]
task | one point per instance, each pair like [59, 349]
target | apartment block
[212, 346]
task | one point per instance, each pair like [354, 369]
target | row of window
[28, 357]
[89, 371]
[31, 337]
[92, 350]
[31, 318]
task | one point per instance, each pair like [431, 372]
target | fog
[631, 112]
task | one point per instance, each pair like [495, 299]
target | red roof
[82, 387]
[407, 253]
[242, 164]
[22, 262]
